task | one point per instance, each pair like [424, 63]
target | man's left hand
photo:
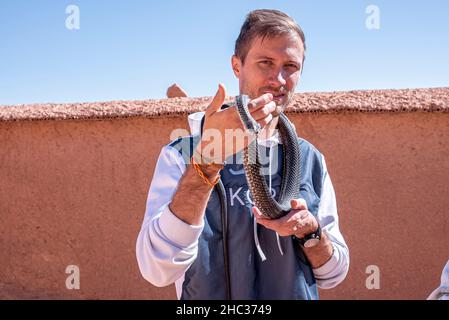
[298, 222]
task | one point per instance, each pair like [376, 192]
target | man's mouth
[278, 97]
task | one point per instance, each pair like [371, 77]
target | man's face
[271, 66]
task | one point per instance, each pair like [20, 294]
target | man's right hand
[223, 131]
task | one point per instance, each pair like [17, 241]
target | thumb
[299, 204]
[218, 100]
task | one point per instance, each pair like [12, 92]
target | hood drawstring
[256, 238]
[256, 241]
[277, 235]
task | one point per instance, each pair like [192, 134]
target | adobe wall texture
[74, 182]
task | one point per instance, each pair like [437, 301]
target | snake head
[248, 121]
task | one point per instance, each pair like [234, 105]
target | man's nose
[277, 78]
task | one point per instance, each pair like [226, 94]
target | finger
[264, 112]
[299, 204]
[298, 226]
[303, 214]
[265, 121]
[218, 100]
[259, 102]
[261, 219]
[293, 218]
[258, 214]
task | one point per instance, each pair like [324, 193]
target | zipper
[224, 227]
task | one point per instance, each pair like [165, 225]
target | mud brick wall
[74, 180]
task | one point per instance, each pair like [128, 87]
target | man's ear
[236, 65]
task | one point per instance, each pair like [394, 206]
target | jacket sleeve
[166, 246]
[333, 271]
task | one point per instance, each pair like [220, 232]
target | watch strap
[313, 235]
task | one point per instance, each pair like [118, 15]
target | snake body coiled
[291, 165]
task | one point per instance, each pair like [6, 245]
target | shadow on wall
[73, 190]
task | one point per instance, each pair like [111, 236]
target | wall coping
[403, 100]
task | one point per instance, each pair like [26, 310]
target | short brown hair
[265, 23]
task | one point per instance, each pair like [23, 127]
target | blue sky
[126, 50]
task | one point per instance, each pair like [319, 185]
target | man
[185, 238]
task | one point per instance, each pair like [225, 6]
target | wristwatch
[310, 240]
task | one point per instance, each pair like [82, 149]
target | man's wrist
[310, 239]
[211, 169]
[208, 173]
[207, 165]
[320, 254]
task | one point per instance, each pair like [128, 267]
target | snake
[291, 164]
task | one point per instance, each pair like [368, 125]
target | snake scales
[291, 165]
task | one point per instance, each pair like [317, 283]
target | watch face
[311, 243]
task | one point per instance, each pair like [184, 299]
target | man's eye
[292, 66]
[266, 62]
